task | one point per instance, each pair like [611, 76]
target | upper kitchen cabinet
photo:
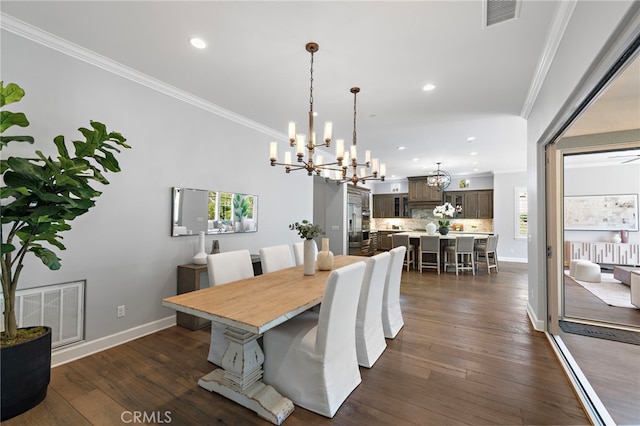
[471, 204]
[420, 192]
[390, 205]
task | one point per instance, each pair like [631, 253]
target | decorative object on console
[200, 257]
[616, 238]
[308, 231]
[441, 211]
[325, 257]
[624, 236]
[431, 228]
[215, 247]
[340, 175]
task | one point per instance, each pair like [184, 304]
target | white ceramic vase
[431, 228]
[325, 257]
[201, 257]
[310, 249]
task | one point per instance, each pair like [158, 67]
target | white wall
[589, 28]
[122, 247]
[510, 248]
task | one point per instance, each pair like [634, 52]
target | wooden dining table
[248, 308]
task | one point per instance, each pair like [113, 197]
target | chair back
[275, 258]
[298, 252]
[370, 341]
[492, 243]
[464, 244]
[229, 266]
[400, 240]
[392, 320]
[337, 317]
[430, 243]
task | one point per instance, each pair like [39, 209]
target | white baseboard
[71, 353]
[538, 324]
[513, 259]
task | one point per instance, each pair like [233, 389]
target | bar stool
[463, 255]
[429, 245]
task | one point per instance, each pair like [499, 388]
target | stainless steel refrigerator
[354, 223]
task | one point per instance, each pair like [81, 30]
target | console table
[601, 252]
[189, 280]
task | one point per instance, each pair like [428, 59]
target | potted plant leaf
[40, 196]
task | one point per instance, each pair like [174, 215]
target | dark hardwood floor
[466, 355]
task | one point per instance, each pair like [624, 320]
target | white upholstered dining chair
[224, 268]
[275, 258]
[298, 252]
[370, 341]
[392, 320]
[311, 358]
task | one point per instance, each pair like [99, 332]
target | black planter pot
[25, 374]
[443, 230]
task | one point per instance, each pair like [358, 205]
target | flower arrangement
[444, 210]
[306, 229]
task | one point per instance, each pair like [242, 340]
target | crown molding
[37, 35]
[561, 17]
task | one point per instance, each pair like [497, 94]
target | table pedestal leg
[239, 379]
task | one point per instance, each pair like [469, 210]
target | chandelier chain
[354, 118]
[311, 86]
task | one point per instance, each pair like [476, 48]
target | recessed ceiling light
[197, 42]
[473, 153]
[428, 87]
[415, 159]
[400, 148]
[471, 139]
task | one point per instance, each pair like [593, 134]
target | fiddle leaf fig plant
[41, 194]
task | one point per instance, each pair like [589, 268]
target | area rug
[624, 336]
[610, 291]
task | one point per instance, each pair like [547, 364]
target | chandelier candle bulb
[375, 167]
[287, 158]
[292, 132]
[383, 170]
[328, 131]
[319, 160]
[367, 157]
[273, 155]
[340, 149]
[354, 156]
[300, 145]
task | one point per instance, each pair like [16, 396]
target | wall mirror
[214, 212]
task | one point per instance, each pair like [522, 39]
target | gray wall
[601, 181]
[590, 26]
[122, 247]
[510, 248]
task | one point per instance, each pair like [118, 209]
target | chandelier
[439, 179]
[301, 141]
[350, 159]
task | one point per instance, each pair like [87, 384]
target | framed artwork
[601, 212]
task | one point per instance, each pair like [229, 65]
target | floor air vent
[497, 11]
[59, 306]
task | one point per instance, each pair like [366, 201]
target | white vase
[615, 238]
[310, 250]
[325, 257]
[201, 257]
[431, 228]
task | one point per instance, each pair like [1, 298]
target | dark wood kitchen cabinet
[390, 205]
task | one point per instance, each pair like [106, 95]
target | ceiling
[256, 66]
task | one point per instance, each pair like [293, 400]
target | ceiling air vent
[497, 11]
